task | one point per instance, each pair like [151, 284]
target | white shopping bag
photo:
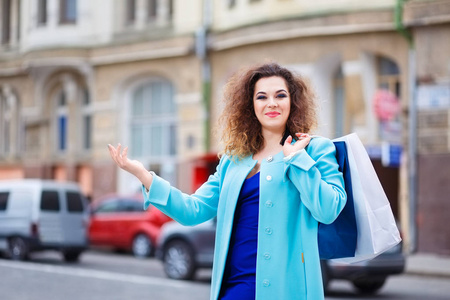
[377, 229]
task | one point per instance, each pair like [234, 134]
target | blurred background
[76, 75]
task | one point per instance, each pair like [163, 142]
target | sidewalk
[428, 264]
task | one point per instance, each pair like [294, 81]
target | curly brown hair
[241, 130]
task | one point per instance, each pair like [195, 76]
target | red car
[121, 223]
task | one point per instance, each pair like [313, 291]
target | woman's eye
[282, 96]
[261, 97]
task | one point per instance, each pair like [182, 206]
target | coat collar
[250, 162]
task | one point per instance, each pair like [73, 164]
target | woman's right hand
[135, 167]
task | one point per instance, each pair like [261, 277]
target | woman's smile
[273, 114]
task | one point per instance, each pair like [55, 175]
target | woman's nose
[272, 102]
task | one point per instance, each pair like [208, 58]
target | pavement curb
[427, 273]
[428, 265]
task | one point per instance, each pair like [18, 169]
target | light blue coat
[294, 196]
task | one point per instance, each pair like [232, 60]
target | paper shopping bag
[376, 226]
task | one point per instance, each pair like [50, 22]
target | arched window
[339, 102]
[9, 121]
[4, 125]
[152, 9]
[153, 127]
[387, 99]
[156, 13]
[42, 12]
[61, 121]
[86, 120]
[130, 12]
[388, 75]
[68, 13]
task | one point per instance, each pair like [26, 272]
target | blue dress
[240, 269]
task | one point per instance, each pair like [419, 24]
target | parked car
[42, 215]
[367, 277]
[183, 250]
[120, 222]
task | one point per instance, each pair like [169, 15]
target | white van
[42, 215]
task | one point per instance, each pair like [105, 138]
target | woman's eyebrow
[281, 90]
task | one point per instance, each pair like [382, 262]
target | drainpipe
[412, 125]
[201, 50]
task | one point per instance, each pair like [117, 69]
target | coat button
[269, 178]
[270, 158]
[266, 255]
[269, 204]
[266, 282]
[268, 230]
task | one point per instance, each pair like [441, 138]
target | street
[108, 275]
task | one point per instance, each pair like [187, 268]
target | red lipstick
[272, 114]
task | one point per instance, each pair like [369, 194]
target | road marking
[96, 274]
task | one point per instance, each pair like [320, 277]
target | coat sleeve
[183, 208]
[316, 176]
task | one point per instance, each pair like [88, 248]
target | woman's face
[272, 103]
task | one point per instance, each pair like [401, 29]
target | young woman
[271, 188]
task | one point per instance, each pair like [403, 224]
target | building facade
[76, 75]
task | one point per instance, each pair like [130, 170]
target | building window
[386, 102]
[68, 11]
[86, 120]
[61, 122]
[153, 127]
[4, 126]
[339, 103]
[152, 9]
[42, 12]
[231, 3]
[130, 11]
[3, 134]
[170, 9]
[388, 75]
[7, 135]
[9, 122]
[5, 21]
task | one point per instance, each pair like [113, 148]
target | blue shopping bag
[338, 239]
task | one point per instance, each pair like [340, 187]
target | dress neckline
[254, 175]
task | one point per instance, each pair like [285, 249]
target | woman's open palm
[122, 160]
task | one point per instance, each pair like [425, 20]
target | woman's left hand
[302, 141]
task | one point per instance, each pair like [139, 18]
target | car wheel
[142, 246]
[369, 285]
[18, 249]
[179, 260]
[71, 255]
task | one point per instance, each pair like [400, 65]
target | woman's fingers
[288, 140]
[302, 135]
[118, 150]
[123, 157]
[119, 157]
[112, 152]
[302, 140]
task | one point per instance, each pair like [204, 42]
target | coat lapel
[234, 180]
[231, 188]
